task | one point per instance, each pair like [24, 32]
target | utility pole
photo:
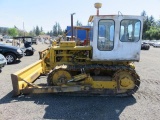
[23, 29]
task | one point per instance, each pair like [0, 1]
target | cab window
[130, 30]
[105, 35]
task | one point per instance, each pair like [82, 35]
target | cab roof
[92, 16]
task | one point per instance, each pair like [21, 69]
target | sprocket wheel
[58, 77]
[128, 82]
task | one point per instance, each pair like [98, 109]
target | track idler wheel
[127, 82]
[58, 77]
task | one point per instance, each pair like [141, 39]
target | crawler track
[116, 69]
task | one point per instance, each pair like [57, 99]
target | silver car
[3, 61]
[156, 44]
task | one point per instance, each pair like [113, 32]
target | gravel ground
[143, 105]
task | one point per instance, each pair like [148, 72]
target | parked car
[27, 49]
[34, 41]
[3, 61]
[8, 39]
[145, 46]
[11, 53]
[156, 44]
[29, 39]
[151, 42]
[146, 41]
[1, 38]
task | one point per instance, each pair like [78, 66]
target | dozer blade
[29, 74]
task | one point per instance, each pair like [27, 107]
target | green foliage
[21, 33]
[42, 33]
[51, 33]
[3, 30]
[32, 33]
[153, 33]
[57, 29]
[37, 31]
[151, 28]
[12, 32]
[41, 29]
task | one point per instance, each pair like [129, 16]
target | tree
[143, 13]
[34, 30]
[153, 33]
[55, 31]
[32, 33]
[51, 33]
[147, 24]
[12, 32]
[59, 29]
[152, 21]
[41, 29]
[21, 33]
[48, 33]
[3, 30]
[42, 32]
[158, 23]
[37, 31]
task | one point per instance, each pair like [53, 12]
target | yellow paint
[29, 73]
[126, 83]
[60, 77]
[132, 65]
[67, 44]
[104, 84]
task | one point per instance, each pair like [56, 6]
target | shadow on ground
[77, 107]
[16, 62]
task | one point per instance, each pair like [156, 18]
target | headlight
[19, 51]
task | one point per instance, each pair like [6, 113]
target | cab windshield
[130, 30]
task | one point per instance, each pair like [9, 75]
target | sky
[45, 13]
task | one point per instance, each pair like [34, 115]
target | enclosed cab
[116, 37]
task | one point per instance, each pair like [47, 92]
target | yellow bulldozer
[103, 66]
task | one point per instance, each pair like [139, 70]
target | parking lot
[143, 105]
